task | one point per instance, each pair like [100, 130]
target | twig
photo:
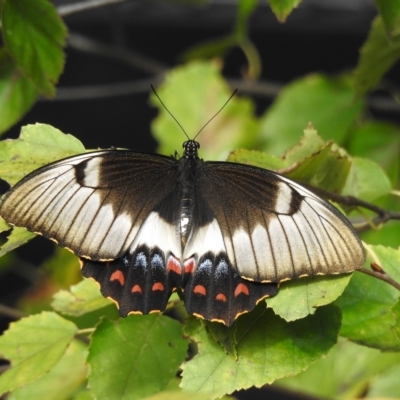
[88, 92]
[383, 276]
[134, 59]
[69, 9]
[263, 89]
[10, 312]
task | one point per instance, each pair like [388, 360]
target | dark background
[320, 36]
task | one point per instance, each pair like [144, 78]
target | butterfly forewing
[93, 204]
[272, 228]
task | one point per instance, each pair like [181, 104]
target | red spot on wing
[189, 265]
[157, 286]
[241, 289]
[220, 297]
[118, 276]
[173, 264]
[200, 289]
[136, 289]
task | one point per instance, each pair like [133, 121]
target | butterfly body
[145, 224]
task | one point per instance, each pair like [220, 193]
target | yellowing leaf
[62, 381]
[34, 345]
[194, 93]
[80, 299]
[37, 145]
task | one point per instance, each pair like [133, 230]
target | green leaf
[366, 180]
[328, 103]
[17, 93]
[225, 336]
[178, 395]
[257, 159]
[395, 310]
[346, 373]
[366, 304]
[202, 93]
[4, 226]
[84, 394]
[390, 13]
[380, 142]
[377, 140]
[319, 163]
[80, 299]
[282, 8]
[309, 144]
[299, 298]
[135, 357]
[35, 34]
[377, 55]
[16, 238]
[62, 381]
[34, 345]
[328, 169]
[172, 391]
[322, 164]
[268, 348]
[45, 142]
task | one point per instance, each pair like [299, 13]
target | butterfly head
[190, 149]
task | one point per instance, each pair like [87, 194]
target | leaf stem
[383, 276]
[85, 331]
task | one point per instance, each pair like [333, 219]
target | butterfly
[224, 234]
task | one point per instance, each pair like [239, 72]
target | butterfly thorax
[189, 172]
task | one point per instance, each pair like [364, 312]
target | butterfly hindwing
[215, 292]
[139, 283]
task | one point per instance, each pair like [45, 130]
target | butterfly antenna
[169, 112]
[198, 133]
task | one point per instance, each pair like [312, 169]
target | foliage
[340, 331]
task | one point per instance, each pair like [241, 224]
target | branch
[380, 274]
[69, 9]
[10, 312]
[351, 201]
[88, 92]
[134, 59]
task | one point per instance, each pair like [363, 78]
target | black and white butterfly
[146, 224]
